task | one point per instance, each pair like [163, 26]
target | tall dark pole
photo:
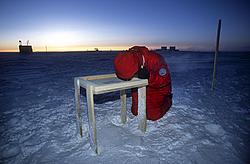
[216, 53]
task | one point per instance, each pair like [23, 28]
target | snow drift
[38, 119]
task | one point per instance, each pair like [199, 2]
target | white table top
[110, 83]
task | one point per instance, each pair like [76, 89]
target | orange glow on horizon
[92, 47]
[70, 48]
[9, 50]
[79, 48]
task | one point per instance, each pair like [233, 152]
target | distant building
[163, 47]
[172, 48]
[25, 49]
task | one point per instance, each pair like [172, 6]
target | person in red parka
[139, 62]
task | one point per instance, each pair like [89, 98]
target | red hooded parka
[158, 91]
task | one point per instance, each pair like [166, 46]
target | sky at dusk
[77, 25]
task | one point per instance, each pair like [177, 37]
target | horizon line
[178, 50]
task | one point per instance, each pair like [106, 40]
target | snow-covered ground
[38, 120]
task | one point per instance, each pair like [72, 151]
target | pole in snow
[216, 53]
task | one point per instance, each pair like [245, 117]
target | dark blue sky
[118, 24]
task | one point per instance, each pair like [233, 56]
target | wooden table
[100, 84]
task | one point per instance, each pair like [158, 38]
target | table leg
[91, 116]
[142, 109]
[77, 102]
[123, 106]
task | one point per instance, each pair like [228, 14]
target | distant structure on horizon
[171, 48]
[164, 48]
[26, 49]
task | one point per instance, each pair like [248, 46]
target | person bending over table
[139, 62]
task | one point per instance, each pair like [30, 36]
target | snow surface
[38, 119]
